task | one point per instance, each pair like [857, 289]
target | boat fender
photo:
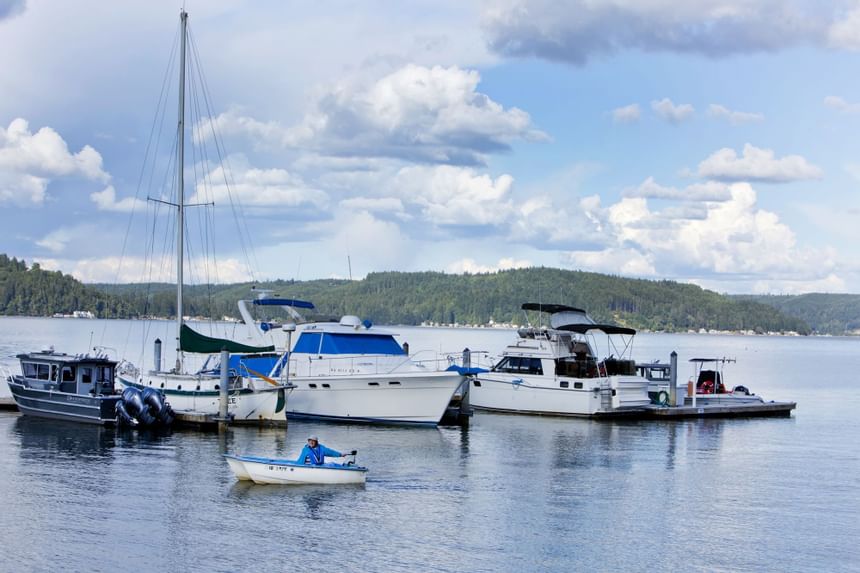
[124, 417]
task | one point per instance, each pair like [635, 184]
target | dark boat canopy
[192, 341]
[550, 308]
[606, 328]
[283, 302]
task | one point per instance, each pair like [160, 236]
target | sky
[711, 142]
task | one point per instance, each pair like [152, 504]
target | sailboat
[251, 399]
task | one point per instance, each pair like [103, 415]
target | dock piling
[223, 389]
[673, 378]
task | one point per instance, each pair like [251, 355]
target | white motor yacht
[555, 369]
[348, 369]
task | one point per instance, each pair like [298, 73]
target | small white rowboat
[274, 471]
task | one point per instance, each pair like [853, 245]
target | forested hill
[412, 298]
[824, 313]
[36, 292]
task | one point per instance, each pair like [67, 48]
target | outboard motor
[125, 418]
[155, 401]
[135, 406]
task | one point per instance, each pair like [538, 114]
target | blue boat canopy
[283, 302]
[347, 343]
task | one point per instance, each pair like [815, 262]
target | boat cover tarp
[463, 371]
[283, 302]
[550, 308]
[347, 343]
[606, 328]
[192, 341]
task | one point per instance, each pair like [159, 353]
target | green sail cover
[192, 341]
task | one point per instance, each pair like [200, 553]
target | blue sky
[711, 142]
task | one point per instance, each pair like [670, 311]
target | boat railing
[429, 360]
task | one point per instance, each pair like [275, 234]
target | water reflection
[42, 438]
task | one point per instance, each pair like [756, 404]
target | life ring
[662, 398]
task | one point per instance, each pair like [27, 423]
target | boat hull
[396, 398]
[543, 395]
[287, 472]
[57, 405]
[245, 405]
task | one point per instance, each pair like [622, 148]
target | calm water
[508, 494]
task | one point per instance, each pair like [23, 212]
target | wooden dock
[8, 403]
[722, 410]
[210, 421]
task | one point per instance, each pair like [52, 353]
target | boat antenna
[180, 221]
[349, 263]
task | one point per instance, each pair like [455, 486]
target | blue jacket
[316, 456]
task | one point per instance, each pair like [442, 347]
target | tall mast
[180, 164]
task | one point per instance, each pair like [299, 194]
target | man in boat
[314, 452]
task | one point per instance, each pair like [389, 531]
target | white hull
[395, 398]
[181, 391]
[283, 472]
[526, 394]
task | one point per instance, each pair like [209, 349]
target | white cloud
[845, 33]
[548, 223]
[672, 113]
[838, 103]
[574, 31]
[254, 187]
[449, 195]
[627, 114]
[757, 164]
[469, 266]
[105, 200]
[377, 204]
[129, 269]
[734, 117]
[706, 191]
[736, 244]
[30, 161]
[416, 113]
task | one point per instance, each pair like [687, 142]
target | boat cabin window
[86, 375]
[520, 365]
[43, 372]
[104, 375]
[576, 367]
[29, 369]
[68, 374]
[308, 343]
